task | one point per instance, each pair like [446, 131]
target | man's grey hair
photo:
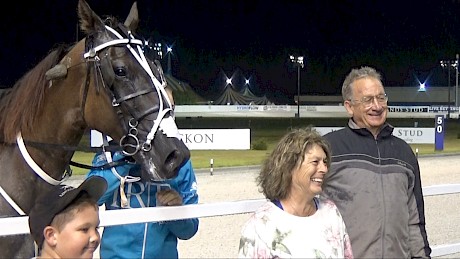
[355, 74]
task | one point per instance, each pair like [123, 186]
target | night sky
[405, 40]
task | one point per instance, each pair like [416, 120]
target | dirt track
[218, 237]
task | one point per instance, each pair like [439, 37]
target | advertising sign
[410, 135]
[203, 139]
[216, 139]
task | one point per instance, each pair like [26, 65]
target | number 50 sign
[439, 132]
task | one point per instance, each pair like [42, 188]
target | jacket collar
[385, 131]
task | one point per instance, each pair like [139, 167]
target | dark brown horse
[103, 82]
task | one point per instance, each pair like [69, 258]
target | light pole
[456, 80]
[450, 64]
[298, 62]
[157, 48]
[169, 52]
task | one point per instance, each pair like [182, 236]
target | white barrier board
[20, 225]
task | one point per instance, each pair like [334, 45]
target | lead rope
[123, 180]
[144, 243]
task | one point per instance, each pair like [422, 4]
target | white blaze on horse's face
[169, 128]
[152, 169]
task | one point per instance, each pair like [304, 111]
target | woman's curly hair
[275, 177]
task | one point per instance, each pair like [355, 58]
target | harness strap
[34, 144]
[146, 113]
[122, 42]
[11, 202]
[134, 95]
[18, 210]
[85, 90]
[36, 168]
[103, 167]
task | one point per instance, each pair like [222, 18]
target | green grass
[271, 130]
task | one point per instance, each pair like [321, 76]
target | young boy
[64, 221]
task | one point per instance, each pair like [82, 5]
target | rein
[41, 145]
[109, 148]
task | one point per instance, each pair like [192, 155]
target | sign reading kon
[203, 139]
[216, 139]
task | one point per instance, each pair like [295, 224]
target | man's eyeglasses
[368, 100]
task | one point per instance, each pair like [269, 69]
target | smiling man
[374, 177]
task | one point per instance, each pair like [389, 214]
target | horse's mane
[20, 105]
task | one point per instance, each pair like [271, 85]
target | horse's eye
[120, 71]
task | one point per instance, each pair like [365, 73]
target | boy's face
[79, 238]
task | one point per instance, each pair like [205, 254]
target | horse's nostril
[174, 161]
[171, 159]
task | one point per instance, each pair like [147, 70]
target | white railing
[19, 225]
[443, 189]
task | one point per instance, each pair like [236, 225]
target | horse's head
[124, 95]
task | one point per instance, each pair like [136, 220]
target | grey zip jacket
[375, 183]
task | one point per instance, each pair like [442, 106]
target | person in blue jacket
[126, 190]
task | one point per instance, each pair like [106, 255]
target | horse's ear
[133, 18]
[89, 20]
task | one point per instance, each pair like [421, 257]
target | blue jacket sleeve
[113, 182]
[187, 228]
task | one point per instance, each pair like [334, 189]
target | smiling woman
[295, 222]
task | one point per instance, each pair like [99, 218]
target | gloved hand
[168, 197]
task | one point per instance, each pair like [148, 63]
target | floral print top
[273, 233]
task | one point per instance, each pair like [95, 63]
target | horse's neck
[55, 159]
[60, 121]
[18, 181]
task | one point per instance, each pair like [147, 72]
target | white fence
[19, 225]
